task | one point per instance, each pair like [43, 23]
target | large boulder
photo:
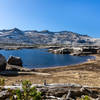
[2, 63]
[14, 61]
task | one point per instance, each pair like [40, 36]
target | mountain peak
[16, 29]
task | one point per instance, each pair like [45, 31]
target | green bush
[27, 93]
[85, 98]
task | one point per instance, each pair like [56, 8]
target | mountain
[44, 37]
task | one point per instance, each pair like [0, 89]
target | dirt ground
[87, 73]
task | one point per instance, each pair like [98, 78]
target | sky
[81, 16]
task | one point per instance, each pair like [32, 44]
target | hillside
[44, 37]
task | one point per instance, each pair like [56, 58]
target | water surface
[38, 58]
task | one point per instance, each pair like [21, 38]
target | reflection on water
[40, 58]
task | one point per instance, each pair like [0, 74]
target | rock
[4, 95]
[32, 69]
[13, 68]
[15, 61]
[89, 92]
[61, 51]
[66, 96]
[2, 63]
[19, 68]
[68, 92]
[52, 98]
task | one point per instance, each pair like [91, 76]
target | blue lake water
[39, 58]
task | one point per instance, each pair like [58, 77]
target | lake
[40, 58]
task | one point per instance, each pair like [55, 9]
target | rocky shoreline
[76, 51]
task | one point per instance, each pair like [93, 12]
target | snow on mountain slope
[44, 37]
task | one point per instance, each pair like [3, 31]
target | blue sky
[82, 16]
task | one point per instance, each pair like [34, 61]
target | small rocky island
[76, 51]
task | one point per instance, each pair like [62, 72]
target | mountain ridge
[16, 35]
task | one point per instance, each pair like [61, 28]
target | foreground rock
[69, 92]
[15, 61]
[4, 94]
[59, 91]
[2, 63]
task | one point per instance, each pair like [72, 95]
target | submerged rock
[15, 61]
[2, 63]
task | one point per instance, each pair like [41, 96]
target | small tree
[27, 93]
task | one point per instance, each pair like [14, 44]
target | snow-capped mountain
[43, 37]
